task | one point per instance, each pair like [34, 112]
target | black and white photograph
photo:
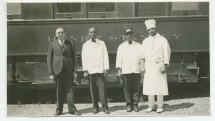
[135, 59]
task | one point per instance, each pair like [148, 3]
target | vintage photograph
[108, 59]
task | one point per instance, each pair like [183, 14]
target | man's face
[92, 33]
[129, 36]
[60, 34]
[152, 31]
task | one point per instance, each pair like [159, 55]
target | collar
[157, 35]
[61, 41]
[93, 41]
[132, 42]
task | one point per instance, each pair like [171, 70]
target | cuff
[166, 62]
[51, 76]
[105, 69]
[117, 67]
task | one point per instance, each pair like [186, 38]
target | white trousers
[151, 102]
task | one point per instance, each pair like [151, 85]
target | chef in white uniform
[156, 55]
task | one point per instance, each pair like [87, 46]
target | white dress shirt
[95, 57]
[156, 49]
[128, 57]
[61, 42]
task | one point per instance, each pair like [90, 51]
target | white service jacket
[156, 49]
[128, 57]
[95, 57]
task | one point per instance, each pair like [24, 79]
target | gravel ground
[197, 106]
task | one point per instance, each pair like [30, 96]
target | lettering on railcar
[115, 37]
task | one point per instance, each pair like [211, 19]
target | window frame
[166, 10]
[55, 10]
[114, 14]
[100, 12]
[81, 14]
[85, 12]
[186, 12]
[16, 16]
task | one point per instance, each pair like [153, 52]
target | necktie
[62, 45]
[93, 40]
[62, 42]
[130, 42]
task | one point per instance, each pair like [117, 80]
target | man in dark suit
[61, 60]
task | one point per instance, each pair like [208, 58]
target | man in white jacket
[128, 64]
[95, 64]
[156, 55]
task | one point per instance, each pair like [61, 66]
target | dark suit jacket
[57, 57]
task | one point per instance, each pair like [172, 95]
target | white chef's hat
[150, 23]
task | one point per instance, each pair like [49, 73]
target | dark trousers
[64, 84]
[98, 87]
[131, 88]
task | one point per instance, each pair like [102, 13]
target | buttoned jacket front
[128, 57]
[95, 56]
[156, 49]
[57, 57]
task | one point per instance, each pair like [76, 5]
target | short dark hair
[93, 28]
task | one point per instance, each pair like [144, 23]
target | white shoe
[149, 109]
[159, 110]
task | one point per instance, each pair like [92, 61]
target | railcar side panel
[28, 43]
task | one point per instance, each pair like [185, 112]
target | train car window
[151, 9]
[68, 7]
[14, 11]
[69, 10]
[127, 9]
[185, 8]
[205, 8]
[38, 11]
[103, 10]
[101, 7]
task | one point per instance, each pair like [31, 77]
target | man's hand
[75, 76]
[51, 77]
[105, 73]
[119, 72]
[142, 74]
[163, 68]
[86, 74]
[119, 76]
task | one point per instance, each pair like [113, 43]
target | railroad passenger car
[31, 27]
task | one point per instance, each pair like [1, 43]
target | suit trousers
[64, 84]
[98, 87]
[131, 88]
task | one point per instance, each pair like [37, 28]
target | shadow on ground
[112, 109]
[180, 91]
[169, 108]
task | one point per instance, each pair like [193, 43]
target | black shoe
[106, 110]
[95, 111]
[129, 109]
[75, 113]
[136, 109]
[58, 113]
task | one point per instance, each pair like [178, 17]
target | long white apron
[155, 82]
